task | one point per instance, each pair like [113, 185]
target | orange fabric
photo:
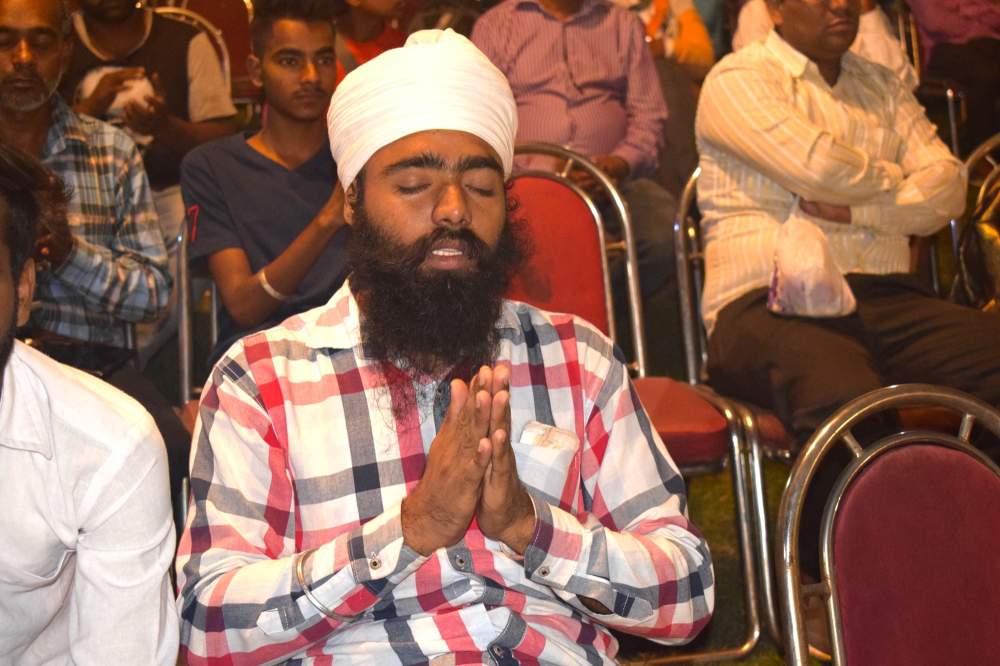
[564, 272]
[390, 38]
[661, 9]
[693, 46]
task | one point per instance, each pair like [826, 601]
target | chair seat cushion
[694, 432]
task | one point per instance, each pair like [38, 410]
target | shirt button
[460, 562]
[543, 572]
[497, 650]
[374, 562]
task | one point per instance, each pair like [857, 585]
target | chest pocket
[547, 459]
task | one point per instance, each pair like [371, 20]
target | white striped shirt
[770, 128]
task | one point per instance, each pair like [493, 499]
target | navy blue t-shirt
[238, 198]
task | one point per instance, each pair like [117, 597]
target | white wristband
[266, 286]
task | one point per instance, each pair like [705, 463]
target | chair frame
[838, 429]
[185, 319]
[572, 158]
[601, 235]
[736, 439]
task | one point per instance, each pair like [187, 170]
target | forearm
[126, 284]
[340, 576]
[245, 298]
[921, 205]
[655, 578]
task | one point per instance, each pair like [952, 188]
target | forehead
[450, 145]
[29, 14]
[288, 33]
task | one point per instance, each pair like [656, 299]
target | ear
[25, 292]
[350, 200]
[774, 10]
[255, 70]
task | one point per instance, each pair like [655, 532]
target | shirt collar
[587, 7]
[337, 325]
[80, 25]
[22, 424]
[798, 64]
[65, 126]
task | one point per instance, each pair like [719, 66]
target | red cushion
[916, 546]
[694, 432]
[564, 272]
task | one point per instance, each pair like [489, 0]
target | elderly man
[798, 127]
[421, 470]
[87, 535]
[103, 265]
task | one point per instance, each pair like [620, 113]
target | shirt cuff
[78, 267]
[637, 161]
[555, 550]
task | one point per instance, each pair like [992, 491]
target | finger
[500, 427]
[459, 396]
[157, 85]
[484, 454]
[501, 378]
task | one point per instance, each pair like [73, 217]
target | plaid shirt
[117, 270]
[298, 449]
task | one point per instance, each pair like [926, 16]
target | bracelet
[266, 286]
[301, 578]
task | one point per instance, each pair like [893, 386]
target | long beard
[7, 340]
[427, 321]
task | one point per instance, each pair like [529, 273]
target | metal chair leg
[763, 541]
[742, 493]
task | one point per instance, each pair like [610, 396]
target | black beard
[7, 341]
[427, 321]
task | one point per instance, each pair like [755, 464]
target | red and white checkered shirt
[298, 448]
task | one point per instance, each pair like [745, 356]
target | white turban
[438, 80]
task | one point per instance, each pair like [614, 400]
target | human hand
[825, 211]
[614, 167]
[437, 513]
[55, 241]
[505, 511]
[148, 118]
[331, 216]
[104, 93]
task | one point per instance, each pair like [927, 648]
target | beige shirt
[769, 129]
[86, 535]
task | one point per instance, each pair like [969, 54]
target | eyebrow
[435, 161]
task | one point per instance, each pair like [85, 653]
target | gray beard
[23, 101]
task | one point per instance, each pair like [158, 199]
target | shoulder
[82, 410]
[532, 325]
[173, 27]
[500, 12]
[228, 150]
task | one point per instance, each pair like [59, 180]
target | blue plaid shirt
[117, 270]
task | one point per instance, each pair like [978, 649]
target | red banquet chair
[910, 534]
[568, 272]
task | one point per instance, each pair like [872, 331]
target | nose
[451, 209]
[23, 52]
[310, 72]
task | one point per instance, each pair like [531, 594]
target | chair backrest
[571, 160]
[913, 477]
[691, 279]
[195, 19]
[913, 546]
[568, 267]
[232, 17]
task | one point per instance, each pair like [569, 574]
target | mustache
[26, 73]
[414, 256]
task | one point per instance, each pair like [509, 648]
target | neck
[116, 40]
[26, 130]
[829, 70]
[562, 9]
[361, 26]
[288, 141]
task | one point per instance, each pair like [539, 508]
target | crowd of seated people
[392, 461]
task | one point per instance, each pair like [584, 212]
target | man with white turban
[420, 470]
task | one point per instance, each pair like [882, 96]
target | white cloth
[86, 535]
[876, 40]
[438, 80]
[208, 90]
[769, 128]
